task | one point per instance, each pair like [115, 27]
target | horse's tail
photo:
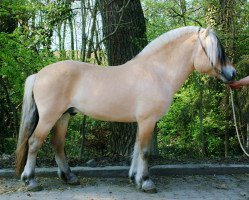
[29, 122]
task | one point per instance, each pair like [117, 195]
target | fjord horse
[140, 90]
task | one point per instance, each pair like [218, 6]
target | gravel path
[207, 187]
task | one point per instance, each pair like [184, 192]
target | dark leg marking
[132, 178]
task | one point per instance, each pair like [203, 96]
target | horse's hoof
[69, 178]
[72, 179]
[132, 179]
[74, 182]
[149, 187]
[32, 186]
[34, 189]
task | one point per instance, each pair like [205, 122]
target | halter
[218, 71]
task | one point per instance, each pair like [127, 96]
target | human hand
[234, 85]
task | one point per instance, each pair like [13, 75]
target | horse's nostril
[234, 73]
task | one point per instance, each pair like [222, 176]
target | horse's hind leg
[144, 136]
[58, 142]
[35, 142]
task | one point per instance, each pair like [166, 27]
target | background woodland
[199, 124]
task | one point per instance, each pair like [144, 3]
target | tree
[124, 36]
[19, 57]
[8, 112]
[228, 19]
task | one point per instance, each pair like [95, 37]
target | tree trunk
[124, 29]
[226, 142]
[7, 24]
[227, 115]
[226, 21]
[76, 40]
[124, 36]
[83, 25]
[93, 27]
[63, 39]
[70, 21]
[59, 37]
[247, 135]
[83, 136]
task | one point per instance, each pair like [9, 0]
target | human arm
[240, 83]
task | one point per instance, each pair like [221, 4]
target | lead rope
[235, 123]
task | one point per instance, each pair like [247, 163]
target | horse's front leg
[133, 167]
[142, 146]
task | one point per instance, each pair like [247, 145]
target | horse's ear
[206, 32]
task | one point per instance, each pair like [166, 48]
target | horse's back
[117, 93]
[91, 89]
[68, 66]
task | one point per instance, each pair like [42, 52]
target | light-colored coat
[140, 90]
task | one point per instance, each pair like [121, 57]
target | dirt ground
[175, 187]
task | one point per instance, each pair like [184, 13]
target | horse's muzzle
[228, 74]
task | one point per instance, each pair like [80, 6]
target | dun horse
[139, 91]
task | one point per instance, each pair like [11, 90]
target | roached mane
[212, 44]
[168, 37]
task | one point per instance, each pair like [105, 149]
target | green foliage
[180, 127]
[181, 131]
[18, 59]
[200, 115]
[163, 15]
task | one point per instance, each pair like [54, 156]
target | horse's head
[210, 57]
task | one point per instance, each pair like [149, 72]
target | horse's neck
[173, 63]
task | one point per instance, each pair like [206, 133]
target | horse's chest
[162, 105]
[154, 105]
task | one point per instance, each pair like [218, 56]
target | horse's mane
[168, 37]
[213, 46]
